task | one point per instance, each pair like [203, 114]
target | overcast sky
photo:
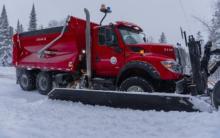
[154, 16]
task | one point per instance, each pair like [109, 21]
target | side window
[107, 36]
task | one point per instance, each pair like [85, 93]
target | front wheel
[136, 84]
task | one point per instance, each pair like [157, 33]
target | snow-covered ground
[31, 115]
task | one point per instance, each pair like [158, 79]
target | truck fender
[137, 65]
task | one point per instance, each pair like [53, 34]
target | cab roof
[128, 24]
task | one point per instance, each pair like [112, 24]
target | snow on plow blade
[138, 101]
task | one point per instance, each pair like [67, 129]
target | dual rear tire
[29, 81]
[26, 80]
[44, 83]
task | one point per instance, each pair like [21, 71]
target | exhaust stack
[88, 47]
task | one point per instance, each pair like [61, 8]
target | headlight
[172, 66]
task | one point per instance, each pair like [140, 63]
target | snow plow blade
[137, 101]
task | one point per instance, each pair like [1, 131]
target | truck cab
[120, 51]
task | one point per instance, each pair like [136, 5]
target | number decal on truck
[168, 50]
[41, 39]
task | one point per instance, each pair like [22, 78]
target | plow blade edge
[137, 101]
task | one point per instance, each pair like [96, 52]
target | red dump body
[63, 55]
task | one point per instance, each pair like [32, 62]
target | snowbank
[31, 115]
[7, 71]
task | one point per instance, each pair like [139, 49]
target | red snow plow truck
[112, 65]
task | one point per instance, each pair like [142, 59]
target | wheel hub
[24, 81]
[135, 89]
[43, 83]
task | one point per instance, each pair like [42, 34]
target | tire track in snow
[11, 77]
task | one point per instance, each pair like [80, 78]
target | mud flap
[138, 101]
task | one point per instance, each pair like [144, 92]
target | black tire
[136, 82]
[44, 83]
[26, 80]
[216, 95]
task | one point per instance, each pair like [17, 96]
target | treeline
[6, 33]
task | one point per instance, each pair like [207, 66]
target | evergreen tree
[11, 31]
[22, 28]
[41, 27]
[163, 38]
[4, 24]
[214, 30]
[53, 23]
[19, 27]
[33, 20]
[5, 39]
[150, 39]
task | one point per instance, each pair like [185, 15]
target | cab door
[108, 56]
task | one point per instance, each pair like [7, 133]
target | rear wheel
[44, 82]
[136, 84]
[26, 80]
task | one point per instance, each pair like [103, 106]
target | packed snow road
[31, 115]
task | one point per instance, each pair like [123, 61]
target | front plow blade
[139, 101]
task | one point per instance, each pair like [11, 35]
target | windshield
[131, 36]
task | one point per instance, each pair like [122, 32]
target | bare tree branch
[204, 23]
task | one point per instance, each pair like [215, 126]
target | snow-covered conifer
[5, 39]
[214, 31]
[33, 20]
[163, 38]
[19, 27]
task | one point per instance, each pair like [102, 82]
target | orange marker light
[142, 52]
